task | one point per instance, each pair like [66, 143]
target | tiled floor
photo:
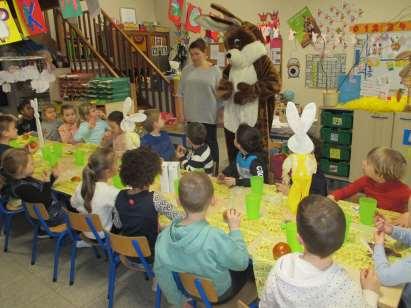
[25, 285]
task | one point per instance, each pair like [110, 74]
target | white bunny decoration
[129, 121]
[301, 162]
[34, 104]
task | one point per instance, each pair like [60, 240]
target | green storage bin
[338, 168]
[339, 136]
[336, 152]
[337, 119]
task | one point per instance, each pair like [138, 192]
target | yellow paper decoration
[5, 15]
[22, 23]
[376, 104]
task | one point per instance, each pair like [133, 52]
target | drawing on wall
[323, 72]
[304, 25]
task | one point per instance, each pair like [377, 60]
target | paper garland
[30, 16]
[193, 12]
[8, 29]
[175, 11]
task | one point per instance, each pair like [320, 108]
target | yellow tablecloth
[260, 235]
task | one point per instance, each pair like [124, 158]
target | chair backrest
[41, 209]
[78, 222]
[241, 304]
[123, 245]
[189, 283]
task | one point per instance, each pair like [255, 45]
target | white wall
[144, 8]
[374, 11]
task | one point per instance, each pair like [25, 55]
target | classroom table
[261, 234]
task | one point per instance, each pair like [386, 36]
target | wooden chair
[81, 223]
[202, 289]
[39, 214]
[7, 215]
[124, 247]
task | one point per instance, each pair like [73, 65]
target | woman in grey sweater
[196, 100]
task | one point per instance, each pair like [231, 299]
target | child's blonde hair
[84, 110]
[153, 115]
[5, 121]
[99, 162]
[12, 163]
[388, 163]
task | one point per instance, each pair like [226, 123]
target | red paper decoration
[192, 12]
[175, 11]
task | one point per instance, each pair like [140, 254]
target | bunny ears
[216, 23]
[128, 124]
[300, 143]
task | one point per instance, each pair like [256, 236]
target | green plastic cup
[347, 226]
[47, 152]
[290, 229]
[176, 184]
[117, 183]
[368, 209]
[17, 144]
[252, 205]
[58, 149]
[79, 157]
[257, 184]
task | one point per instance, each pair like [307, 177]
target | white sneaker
[83, 244]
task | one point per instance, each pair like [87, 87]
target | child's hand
[229, 181]
[403, 221]
[233, 219]
[220, 178]
[56, 171]
[282, 188]
[382, 225]
[379, 237]
[180, 152]
[369, 280]
[331, 197]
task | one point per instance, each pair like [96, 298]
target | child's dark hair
[140, 167]
[152, 116]
[48, 106]
[22, 105]
[249, 138]
[12, 162]
[198, 44]
[116, 117]
[67, 107]
[99, 162]
[195, 191]
[5, 121]
[321, 225]
[197, 133]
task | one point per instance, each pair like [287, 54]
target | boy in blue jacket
[191, 245]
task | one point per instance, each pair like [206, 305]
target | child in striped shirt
[199, 156]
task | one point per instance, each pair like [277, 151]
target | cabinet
[369, 130]
[402, 123]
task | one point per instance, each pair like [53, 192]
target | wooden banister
[81, 37]
[134, 45]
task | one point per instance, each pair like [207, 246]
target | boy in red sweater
[383, 170]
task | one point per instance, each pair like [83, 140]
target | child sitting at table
[50, 124]
[138, 208]
[27, 122]
[311, 278]
[191, 245]
[8, 131]
[92, 128]
[383, 170]
[250, 160]
[69, 127]
[159, 141]
[94, 195]
[199, 156]
[118, 139]
[399, 272]
[18, 168]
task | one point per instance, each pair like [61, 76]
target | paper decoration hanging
[93, 7]
[175, 11]
[21, 21]
[192, 13]
[8, 29]
[382, 27]
[32, 16]
[322, 72]
[349, 87]
[304, 24]
[71, 8]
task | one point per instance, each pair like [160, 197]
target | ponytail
[99, 162]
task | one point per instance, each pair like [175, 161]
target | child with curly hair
[138, 208]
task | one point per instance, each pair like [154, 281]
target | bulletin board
[323, 72]
[375, 55]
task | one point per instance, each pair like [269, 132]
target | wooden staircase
[97, 45]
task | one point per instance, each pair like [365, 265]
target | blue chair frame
[114, 263]
[102, 242]
[7, 220]
[39, 221]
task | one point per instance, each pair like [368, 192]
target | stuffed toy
[301, 163]
[250, 81]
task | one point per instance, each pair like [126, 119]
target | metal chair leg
[34, 244]
[59, 244]
[73, 262]
[6, 231]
